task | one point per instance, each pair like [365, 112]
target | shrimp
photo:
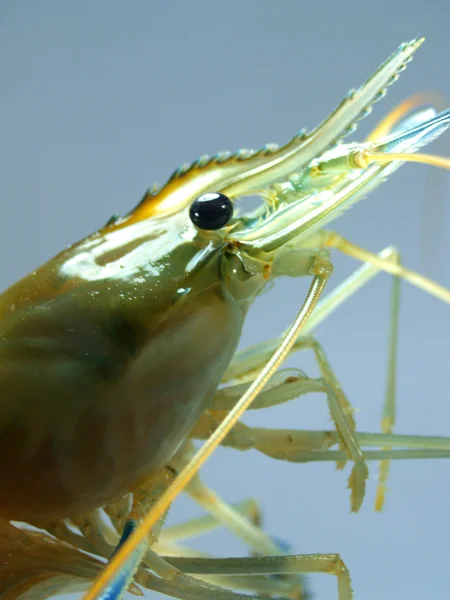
[121, 350]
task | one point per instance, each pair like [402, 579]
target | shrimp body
[107, 360]
[112, 350]
[111, 353]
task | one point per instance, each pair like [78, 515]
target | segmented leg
[290, 586]
[345, 426]
[202, 590]
[181, 585]
[277, 386]
[244, 519]
[389, 406]
[296, 445]
[169, 579]
[97, 537]
[248, 362]
[251, 533]
[331, 564]
[334, 240]
[248, 509]
[340, 410]
[172, 581]
[223, 513]
[395, 268]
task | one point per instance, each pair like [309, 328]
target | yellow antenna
[386, 125]
[425, 159]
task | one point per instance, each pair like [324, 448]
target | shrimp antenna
[366, 157]
[386, 126]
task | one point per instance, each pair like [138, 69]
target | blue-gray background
[101, 99]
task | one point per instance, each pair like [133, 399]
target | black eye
[211, 211]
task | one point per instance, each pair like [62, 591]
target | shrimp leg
[252, 359]
[340, 410]
[249, 509]
[332, 564]
[226, 515]
[334, 240]
[395, 268]
[96, 537]
[248, 362]
[170, 579]
[299, 445]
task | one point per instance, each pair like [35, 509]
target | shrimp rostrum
[121, 350]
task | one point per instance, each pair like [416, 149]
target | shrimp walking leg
[182, 585]
[287, 586]
[278, 387]
[340, 411]
[226, 515]
[330, 564]
[253, 358]
[230, 518]
[334, 240]
[249, 361]
[389, 407]
[249, 509]
[276, 443]
[266, 586]
[395, 268]
[201, 590]
[290, 586]
[388, 417]
[98, 538]
[298, 445]
[169, 579]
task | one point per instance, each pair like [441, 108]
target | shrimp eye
[211, 211]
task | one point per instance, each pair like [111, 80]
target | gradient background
[101, 99]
